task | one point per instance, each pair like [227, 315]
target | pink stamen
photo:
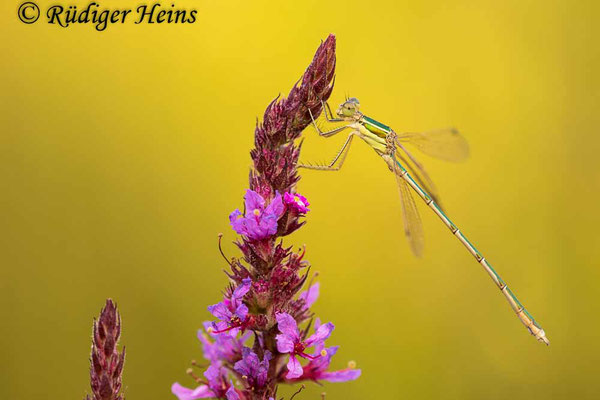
[226, 329]
[309, 356]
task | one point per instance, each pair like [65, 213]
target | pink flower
[254, 371]
[259, 221]
[317, 368]
[296, 202]
[219, 348]
[289, 341]
[232, 312]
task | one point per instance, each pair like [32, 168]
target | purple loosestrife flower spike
[106, 361]
[255, 341]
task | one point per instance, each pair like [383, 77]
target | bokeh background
[123, 152]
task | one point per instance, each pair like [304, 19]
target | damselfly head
[348, 108]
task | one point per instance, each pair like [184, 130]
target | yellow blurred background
[123, 152]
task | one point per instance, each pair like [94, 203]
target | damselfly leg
[339, 158]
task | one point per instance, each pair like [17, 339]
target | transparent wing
[418, 172]
[445, 144]
[412, 221]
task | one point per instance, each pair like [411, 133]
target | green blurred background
[123, 152]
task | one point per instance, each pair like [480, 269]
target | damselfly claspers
[446, 144]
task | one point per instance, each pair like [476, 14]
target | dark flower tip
[275, 155]
[106, 363]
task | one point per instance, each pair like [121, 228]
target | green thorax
[375, 127]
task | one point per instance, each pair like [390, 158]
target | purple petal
[294, 368]
[341, 376]
[275, 208]
[252, 361]
[242, 312]
[240, 291]
[237, 222]
[248, 365]
[208, 348]
[242, 368]
[232, 394]
[254, 201]
[267, 356]
[252, 229]
[322, 362]
[213, 375]
[285, 344]
[256, 371]
[206, 325]
[320, 335]
[203, 338]
[220, 311]
[267, 226]
[234, 216]
[183, 393]
[232, 332]
[288, 198]
[220, 326]
[263, 369]
[302, 202]
[287, 325]
[310, 296]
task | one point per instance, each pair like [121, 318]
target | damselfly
[446, 144]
